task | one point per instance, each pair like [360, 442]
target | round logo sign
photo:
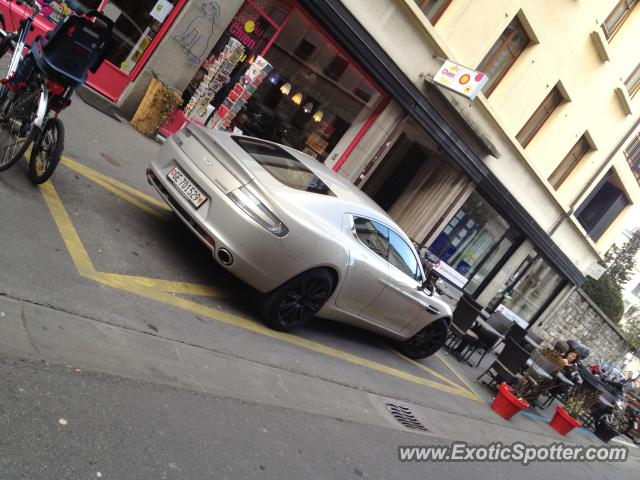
[464, 79]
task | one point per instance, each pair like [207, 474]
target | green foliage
[580, 402]
[621, 260]
[606, 295]
[631, 330]
[606, 292]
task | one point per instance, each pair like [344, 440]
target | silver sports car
[301, 234]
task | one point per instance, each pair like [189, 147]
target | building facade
[518, 192]
[556, 128]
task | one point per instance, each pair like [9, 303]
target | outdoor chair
[465, 313]
[511, 361]
[486, 340]
[501, 323]
[529, 347]
[516, 333]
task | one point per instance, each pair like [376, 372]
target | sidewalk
[41, 333]
[471, 373]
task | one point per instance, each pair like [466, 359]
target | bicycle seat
[75, 47]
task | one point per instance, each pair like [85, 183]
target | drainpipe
[593, 178]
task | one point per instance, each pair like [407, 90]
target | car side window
[401, 255]
[373, 234]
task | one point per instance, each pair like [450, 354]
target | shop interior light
[286, 88]
[297, 98]
[274, 78]
[318, 116]
[308, 107]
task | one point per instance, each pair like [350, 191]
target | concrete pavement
[41, 333]
[185, 414]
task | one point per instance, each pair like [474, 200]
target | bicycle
[40, 83]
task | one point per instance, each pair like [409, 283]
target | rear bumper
[258, 258]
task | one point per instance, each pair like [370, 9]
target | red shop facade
[315, 97]
[140, 25]
[311, 95]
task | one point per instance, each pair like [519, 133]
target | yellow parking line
[460, 377]
[95, 175]
[426, 369]
[168, 286]
[69, 234]
[252, 326]
[150, 289]
[125, 196]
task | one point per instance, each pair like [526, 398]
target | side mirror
[428, 286]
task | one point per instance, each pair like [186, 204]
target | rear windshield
[283, 166]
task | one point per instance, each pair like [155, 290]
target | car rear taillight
[258, 212]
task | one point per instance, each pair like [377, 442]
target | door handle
[432, 309]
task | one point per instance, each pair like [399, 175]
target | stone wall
[577, 317]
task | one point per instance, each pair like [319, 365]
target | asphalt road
[119, 429]
[192, 385]
[121, 238]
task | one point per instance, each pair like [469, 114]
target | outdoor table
[538, 370]
[481, 322]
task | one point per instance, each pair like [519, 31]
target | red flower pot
[506, 403]
[562, 422]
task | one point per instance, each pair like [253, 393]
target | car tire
[427, 341]
[296, 302]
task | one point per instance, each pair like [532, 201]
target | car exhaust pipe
[225, 256]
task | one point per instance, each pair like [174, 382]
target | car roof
[353, 200]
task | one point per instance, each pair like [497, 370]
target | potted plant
[609, 426]
[158, 103]
[566, 417]
[509, 401]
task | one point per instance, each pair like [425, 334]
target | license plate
[186, 187]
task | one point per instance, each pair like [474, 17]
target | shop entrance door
[417, 185]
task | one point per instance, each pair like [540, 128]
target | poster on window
[161, 10]
[450, 274]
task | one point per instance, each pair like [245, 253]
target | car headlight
[253, 207]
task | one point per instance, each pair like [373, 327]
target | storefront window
[470, 236]
[488, 265]
[56, 10]
[137, 23]
[312, 94]
[533, 290]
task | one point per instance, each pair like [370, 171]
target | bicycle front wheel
[17, 131]
[46, 152]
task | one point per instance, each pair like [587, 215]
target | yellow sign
[460, 79]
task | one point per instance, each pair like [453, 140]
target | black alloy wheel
[427, 341]
[297, 301]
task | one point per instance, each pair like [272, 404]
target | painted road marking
[460, 377]
[120, 189]
[164, 291]
[94, 174]
[423, 367]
